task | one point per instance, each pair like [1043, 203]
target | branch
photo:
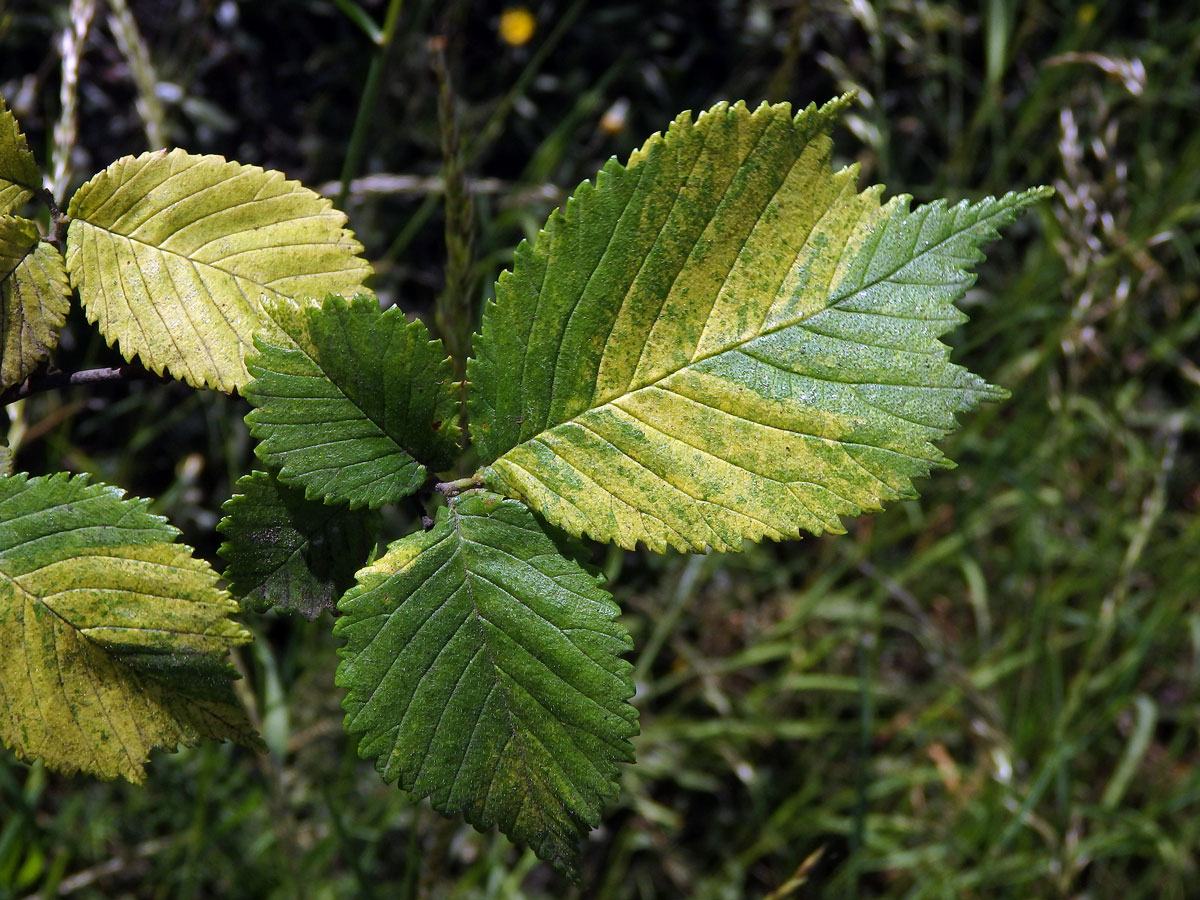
[513, 194]
[40, 382]
[454, 488]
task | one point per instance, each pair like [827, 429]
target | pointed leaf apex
[359, 408]
[728, 341]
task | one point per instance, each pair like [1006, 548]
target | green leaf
[290, 553]
[354, 404]
[723, 340]
[19, 175]
[173, 254]
[484, 669]
[115, 636]
[34, 299]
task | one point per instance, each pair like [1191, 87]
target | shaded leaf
[115, 637]
[34, 299]
[173, 254]
[19, 175]
[484, 671]
[290, 553]
[355, 404]
[724, 340]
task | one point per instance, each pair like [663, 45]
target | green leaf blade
[751, 352]
[287, 552]
[34, 299]
[484, 670]
[359, 404]
[174, 253]
[117, 635]
[19, 175]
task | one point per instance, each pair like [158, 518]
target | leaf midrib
[214, 267]
[477, 615]
[403, 448]
[998, 210]
[481, 621]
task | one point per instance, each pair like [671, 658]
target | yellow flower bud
[517, 26]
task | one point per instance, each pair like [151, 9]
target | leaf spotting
[483, 670]
[116, 636]
[724, 340]
[19, 175]
[34, 298]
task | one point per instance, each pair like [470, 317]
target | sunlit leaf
[724, 340]
[34, 298]
[115, 636]
[483, 669]
[354, 405]
[19, 175]
[174, 254]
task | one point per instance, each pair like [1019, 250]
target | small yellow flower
[517, 26]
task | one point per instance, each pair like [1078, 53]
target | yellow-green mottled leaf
[483, 670]
[724, 340]
[115, 637]
[19, 175]
[34, 297]
[173, 255]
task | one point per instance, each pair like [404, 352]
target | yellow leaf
[173, 255]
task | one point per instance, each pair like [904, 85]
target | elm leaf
[173, 255]
[354, 405]
[290, 553]
[34, 299]
[115, 636]
[483, 669]
[724, 340]
[19, 174]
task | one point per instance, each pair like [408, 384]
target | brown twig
[117, 865]
[39, 382]
[454, 488]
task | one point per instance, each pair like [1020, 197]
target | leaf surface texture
[173, 255]
[19, 174]
[34, 299]
[724, 340]
[115, 636]
[290, 553]
[483, 669]
[355, 405]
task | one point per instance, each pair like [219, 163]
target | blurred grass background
[990, 692]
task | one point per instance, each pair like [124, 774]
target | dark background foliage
[993, 691]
